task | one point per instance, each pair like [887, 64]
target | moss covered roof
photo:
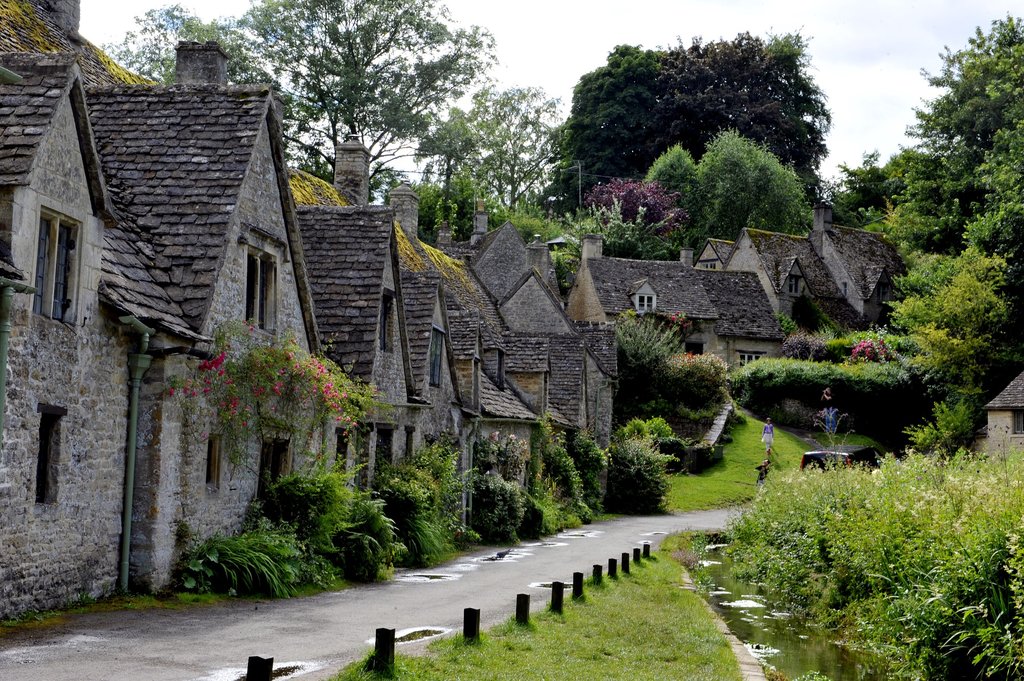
[310, 190]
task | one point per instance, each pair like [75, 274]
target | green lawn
[640, 626]
[732, 481]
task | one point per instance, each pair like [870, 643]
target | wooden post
[383, 659]
[647, 549]
[557, 592]
[636, 554]
[577, 585]
[613, 572]
[598, 569]
[259, 668]
[625, 563]
[522, 608]
[471, 625]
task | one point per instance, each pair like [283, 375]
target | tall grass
[921, 560]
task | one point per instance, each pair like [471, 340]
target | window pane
[42, 261]
[252, 282]
[436, 346]
[62, 274]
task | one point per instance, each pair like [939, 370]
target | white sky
[866, 55]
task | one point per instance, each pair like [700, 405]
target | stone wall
[745, 259]
[1000, 438]
[532, 310]
[584, 304]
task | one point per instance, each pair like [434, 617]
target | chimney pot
[592, 246]
[686, 255]
[201, 63]
[406, 204]
[352, 171]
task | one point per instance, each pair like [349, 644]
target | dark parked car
[843, 455]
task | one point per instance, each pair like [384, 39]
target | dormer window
[56, 268]
[261, 289]
[645, 303]
[883, 290]
[793, 284]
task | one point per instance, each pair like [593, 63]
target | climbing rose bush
[871, 350]
[260, 388]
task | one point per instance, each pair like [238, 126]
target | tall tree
[762, 89]
[376, 69]
[865, 193]
[609, 129]
[515, 131]
[741, 184]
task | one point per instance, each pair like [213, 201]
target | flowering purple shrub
[871, 350]
[802, 345]
[645, 201]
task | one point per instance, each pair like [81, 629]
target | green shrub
[314, 505]
[645, 345]
[809, 316]
[920, 559]
[367, 543]
[257, 562]
[837, 350]
[786, 323]
[498, 508]
[694, 381]
[410, 498]
[953, 427]
[542, 514]
[802, 345]
[637, 481]
[591, 462]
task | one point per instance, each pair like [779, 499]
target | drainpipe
[138, 362]
[7, 290]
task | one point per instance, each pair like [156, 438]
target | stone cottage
[1005, 420]
[729, 313]
[143, 218]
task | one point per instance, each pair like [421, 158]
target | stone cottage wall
[503, 263]
[531, 310]
[745, 259]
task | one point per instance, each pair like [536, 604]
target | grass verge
[640, 626]
[733, 480]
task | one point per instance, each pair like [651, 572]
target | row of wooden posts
[383, 660]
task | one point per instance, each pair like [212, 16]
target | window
[49, 451]
[793, 284]
[273, 464]
[385, 445]
[55, 268]
[844, 288]
[883, 290]
[410, 440]
[693, 348]
[748, 356]
[260, 289]
[644, 303]
[1018, 423]
[213, 463]
[436, 351]
[501, 369]
[387, 303]
[341, 445]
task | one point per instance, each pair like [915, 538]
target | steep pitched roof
[526, 352]
[419, 291]
[565, 388]
[778, 251]
[310, 190]
[29, 26]
[600, 340]
[502, 403]
[676, 283]
[28, 107]
[175, 159]
[722, 248]
[346, 255]
[743, 307]
[1012, 396]
[866, 256]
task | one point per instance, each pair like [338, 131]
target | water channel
[775, 637]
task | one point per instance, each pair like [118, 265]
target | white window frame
[261, 289]
[748, 356]
[56, 267]
[1018, 422]
[646, 302]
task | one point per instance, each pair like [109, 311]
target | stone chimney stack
[686, 256]
[352, 171]
[822, 217]
[479, 223]
[201, 63]
[444, 234]
[538, 257]
[67, 14]
[592, 246]
[406, 204]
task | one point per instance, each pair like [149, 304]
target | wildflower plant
[257, 388]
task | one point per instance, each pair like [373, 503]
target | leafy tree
[377, 69]
[954, 312]
[447, 150]
[676, 172]
[741, 184]
[761, 89]
[637, 219]
[863, 195]
[150, 50]
[515, 133]
[609, 128]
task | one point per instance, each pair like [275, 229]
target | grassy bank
[640, 626]
[732, 480]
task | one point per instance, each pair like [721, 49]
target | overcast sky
[866, 55]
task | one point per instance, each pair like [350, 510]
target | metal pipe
[7, 290]
[138, 363]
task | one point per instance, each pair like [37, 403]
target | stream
[775, 637]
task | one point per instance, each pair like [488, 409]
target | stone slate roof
[722, 248]
[310, 190]
[743, 307]
[419, 292]
[502, 403]
[1012, 396]
[600, 340]
[866, 256]
[676, 284]
[29, 26]
[175, 158]
[346, 254]
[527, 353]
[565, 385]
[778, 252]
[26, 109]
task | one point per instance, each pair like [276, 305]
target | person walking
[762, 472]
[768, 437]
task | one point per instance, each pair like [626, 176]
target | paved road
[319, 634]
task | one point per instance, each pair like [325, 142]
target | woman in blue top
[768, 436]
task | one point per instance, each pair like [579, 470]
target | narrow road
[321, 633]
